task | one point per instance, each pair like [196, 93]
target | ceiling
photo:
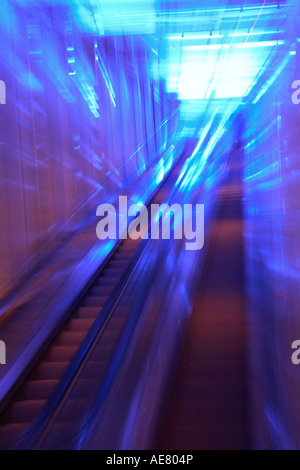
[210, 53]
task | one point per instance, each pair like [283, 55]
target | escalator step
[88, 312]
[38, 390]
[123, 256]
[70, 338]
[9, 433]
[49, 370]
[118, 264]
[102, 291]
[78, 324]
[60, 354]
[112, 273]
[109, 282]
[24, 411]
[31, 398]
[94, 301]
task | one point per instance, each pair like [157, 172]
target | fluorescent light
[188, 37]
[208, 47]
[253, 45]
[244, 45]
[194, 36]
[242, 35]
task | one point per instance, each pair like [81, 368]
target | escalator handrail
[33, 433]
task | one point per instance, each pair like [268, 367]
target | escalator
[46, 375]
[40, 393]
[209, 405]
[208, 408]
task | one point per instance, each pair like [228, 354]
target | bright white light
[194, 36]
[204, 76]
[246, 45]
[188, 37]
[208, 47]
[225, 89]
[254, 45]
[262, 33]
[236, 88]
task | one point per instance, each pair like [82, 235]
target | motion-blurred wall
[273, 256]
[83, 122]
